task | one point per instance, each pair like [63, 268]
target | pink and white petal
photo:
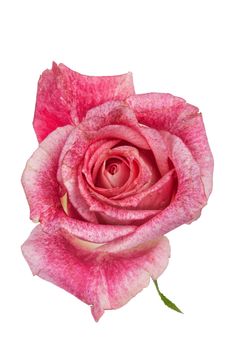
[64, 96]
[115, 216]
[185, 207]
[174, 114]
[158, 196]
[85, 134]
[146, 171]
[94, 167]
[140, 173]
[115, 114]
[105, 193]
[72, 187]
[122, 132]
[81, 140]
[104, 281]
[79, 202]
[91, 232]
[72, 158]
[111, 214]
[106, 175]
[39, 178]
[158, 147]
[93, 156]
[131, 271]
[112, 120]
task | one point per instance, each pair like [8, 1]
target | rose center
[113, 165]
[116, 172]
[112, 169]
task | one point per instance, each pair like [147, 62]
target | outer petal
[42, 190]
[91, 232]
[173, 114]
[64, 96]
[39, 178]
[105, 281]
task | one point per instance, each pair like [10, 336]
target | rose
[113, 173]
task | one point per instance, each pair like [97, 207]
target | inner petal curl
[115, 171]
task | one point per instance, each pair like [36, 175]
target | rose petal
[92, 156]
[75, 183]
[115, 113]
[112, 192]
[173, 114]
[105, 281]
[79, 140]
[158, 147]
[64, 96]
[112, 120]
[101, 175]
[72, 157]
[39, 177]
[91, 232]
[116, 174]
[158, 196]
[145, 174]
[116, 216]
[111, 214]
[79, 203]
[186, 206]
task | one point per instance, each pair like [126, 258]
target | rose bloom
[113, 173]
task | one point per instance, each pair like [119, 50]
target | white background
[182, 47]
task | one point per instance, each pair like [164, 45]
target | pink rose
[113, 173]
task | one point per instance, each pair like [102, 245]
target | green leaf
[166, 301]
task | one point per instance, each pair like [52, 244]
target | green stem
[166, 301]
